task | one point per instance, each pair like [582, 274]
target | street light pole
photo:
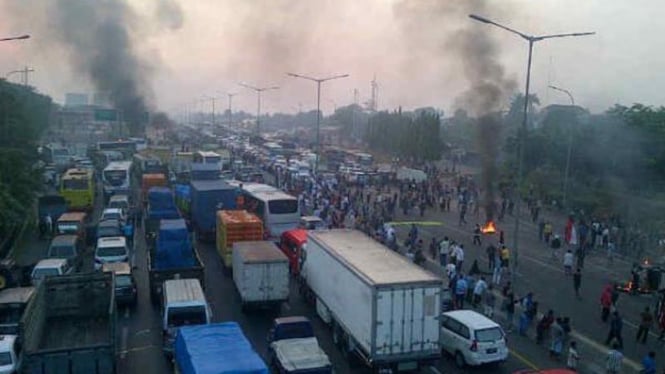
[570, 146]
[258, 101]
[230, 95]
[532, 39]
[318, 110]
[15, 38]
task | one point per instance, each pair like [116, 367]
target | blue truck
[161, 205]
[215, 349]
[173, 256]
[209, 196]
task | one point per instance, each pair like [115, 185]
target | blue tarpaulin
[219, 348]
[160, 198]
[207, 198]
[173, 249]
[183, 191]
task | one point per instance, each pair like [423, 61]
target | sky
[411, 47]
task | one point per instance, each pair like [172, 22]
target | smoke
[98, 37]
[477, 53]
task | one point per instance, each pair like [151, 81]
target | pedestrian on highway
[577, 281]
[616, 325]
[48, 225]
[509, 307]
[497, 273]
[491, 256]
[573, 357]
[527, 314]
[614, 360]
[444, 246]
[433, 248]
[661, 323]
[459, 256]
[476, 236]
[490, 301]
[649, 363]
[605, 302]
[460, 291]
[556, 346]
[543, 326]
[504, 256]
[568, 259]
[479, 290]
[556, 244]
[646, 320]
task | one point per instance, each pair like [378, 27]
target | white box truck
[380, 306]
[260, 273]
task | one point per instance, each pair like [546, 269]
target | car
[109, 228]
[120, 202]
[472, 338]
[125, 284]
[10, 351]
[113, 213]
[49, 267]
[109, 250]
[69, 247]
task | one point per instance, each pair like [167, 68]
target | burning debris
[489, 228]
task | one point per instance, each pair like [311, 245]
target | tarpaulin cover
[219, 348]
[183, 191]
[160, 198]
[207, 198]
[173, 249]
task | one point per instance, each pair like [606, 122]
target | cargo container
[152, 180]
[260, 273]
[160, 205]
[216, 348]
[381, 307]
[69, 326]
[235, 226]
[209, 196]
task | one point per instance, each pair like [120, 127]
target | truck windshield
[41, 273]
[294, 331]
[111, 251]
[123, 281]
[190, 315]
[75, 184]
[5, 359]
[115, 177]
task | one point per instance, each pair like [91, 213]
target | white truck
[260, 273]
[381, 307]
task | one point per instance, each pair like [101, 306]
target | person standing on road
[646, 320]
[491, 256]
[444, 246]
[479, 290]
[543, 326]
[573, 357]
[614, 360]
[476, 236]
[605, 302]
[616, 325]
[568, 259]
[556, 346]
[497, 273]
[509, 307]
[505, 257]
[577, 282]
[490, 301]
[459, 256]
[460, 291]
[48, 223]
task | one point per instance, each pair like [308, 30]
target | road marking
[137, 349]
[434, 370]
[600, 347]
[123, 342]
[525, 360]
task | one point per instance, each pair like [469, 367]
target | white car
[110, 250]
[49, 267]
[113, 213]
[472, 338]
[9, 354]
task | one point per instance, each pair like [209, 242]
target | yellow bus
[77, 186]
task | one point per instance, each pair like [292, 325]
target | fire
[489, 228]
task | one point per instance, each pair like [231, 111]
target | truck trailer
[260, 273]
[381, 307]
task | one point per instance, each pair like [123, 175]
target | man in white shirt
[478, 291]
[459, 256]
[568, 259]
[444, 247]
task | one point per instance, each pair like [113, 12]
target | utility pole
[353, 112]
[375, 94]
[258, 91]
[230, 95]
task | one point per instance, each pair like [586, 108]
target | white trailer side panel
[260, 272]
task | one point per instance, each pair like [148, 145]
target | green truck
[69, 326]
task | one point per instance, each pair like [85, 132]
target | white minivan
[111, 249]
[184, 304]
[472, 338]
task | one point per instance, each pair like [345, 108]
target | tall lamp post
[15, 38]
[318, 110]
[258, 101]
[570, 145]
[532, 39]
[230, 96]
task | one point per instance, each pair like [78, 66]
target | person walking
[556, 346]
[616, 325]
[444, 246]
[504, 256]
[459, 256]
[461, 287]
[543, 326]
[478, 291]
[573, 356]
[509, 308]
[646, 320]
[605, 302]
[568, 259]
[48, 225]
[491, 256]
[649, 363]
[614, 360]
[490, 301]
[476, 236]
[577, 282]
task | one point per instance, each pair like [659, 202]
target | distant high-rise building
[76, 99]
[101, 99]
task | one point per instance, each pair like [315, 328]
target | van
[472, 338]
[109, 250]
[48, 268]
[184, 304]
[13, 302]
[69, 247]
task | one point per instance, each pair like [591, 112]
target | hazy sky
[406, 43]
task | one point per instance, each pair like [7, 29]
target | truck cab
[293, 348]
[291, 244]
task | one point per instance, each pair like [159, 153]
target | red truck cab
[291, 244]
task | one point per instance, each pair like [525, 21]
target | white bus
[278, 210]
[117, 178]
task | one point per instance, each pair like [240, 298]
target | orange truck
[236, 226]
[152, 180]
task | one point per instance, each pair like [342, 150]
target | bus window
[283, 206]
